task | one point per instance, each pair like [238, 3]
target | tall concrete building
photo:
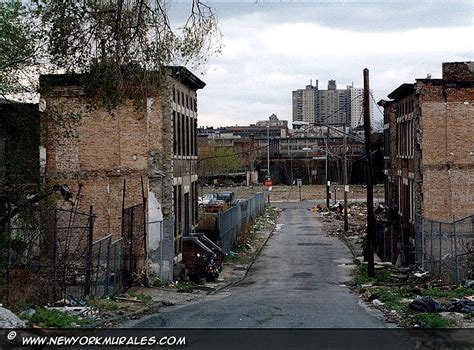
[331, 106]
[305, 103]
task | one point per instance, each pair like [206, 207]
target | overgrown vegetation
[160, 284]
[362, 277]
[398, 298]
[140, 296]
[52, 318]
[104, 304]
[251, 234]
[218, 160]
[433, 320]
[183, 286]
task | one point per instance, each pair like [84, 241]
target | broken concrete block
[9, 320]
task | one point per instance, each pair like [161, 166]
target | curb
[124, 317]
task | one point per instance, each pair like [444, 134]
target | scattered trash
[372, 297]
[76, 310]
[469, 284]
[420, 274]
[377, 302]
[130, 299]
[381, 209]
[9, 320]
[425, 304]
[338, 208]
[461, 305]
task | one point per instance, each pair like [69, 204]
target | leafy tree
[117, 46]
[20, 49]
[219, 160]
[124, 43]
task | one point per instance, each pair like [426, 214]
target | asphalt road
[297, 281]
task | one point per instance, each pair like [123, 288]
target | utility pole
[369, 179]
[268, 148]
[328, 184]
[344, 174]
[268, 157]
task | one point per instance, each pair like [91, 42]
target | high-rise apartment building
[331, 106]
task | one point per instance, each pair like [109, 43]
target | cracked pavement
[296, 282]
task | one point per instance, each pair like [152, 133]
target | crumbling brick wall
[96, 150]
[458, 71]
[447, 161]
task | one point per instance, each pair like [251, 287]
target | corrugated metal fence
[446, 249]
[232, 221]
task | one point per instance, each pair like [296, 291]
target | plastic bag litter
[425, 304]
[461, 305]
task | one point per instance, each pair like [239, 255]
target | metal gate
[134, 244]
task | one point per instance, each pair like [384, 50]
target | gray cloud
[271, 49]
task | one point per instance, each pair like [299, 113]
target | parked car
[208, 198]
[226, 196]
[214, 206]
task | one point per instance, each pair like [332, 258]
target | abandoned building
[429, 154]
[134, 164]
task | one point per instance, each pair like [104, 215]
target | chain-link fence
[62, 260]
[160, 249]
[446, 249]
[107, 267]
[232, 221]
[134, 244]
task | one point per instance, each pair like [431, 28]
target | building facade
[139, 154]
[332, 106]
[428, 150]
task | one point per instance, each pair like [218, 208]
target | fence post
[422, 243]
[97, 268]
[107, 267]
[130, 246]
[9, 255]
[162, 227]
[440, 250]
[456, 260]
[55, 252]
[87, 286]
[431, 245]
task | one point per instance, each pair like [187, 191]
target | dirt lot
[291, 193]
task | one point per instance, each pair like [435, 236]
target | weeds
[51, 318]
[186, 285]
[104, 304]
[362, 277]
[159, 284]
[434, 320]
[142, 297]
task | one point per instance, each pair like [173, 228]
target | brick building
[130, 156]
[429, 154]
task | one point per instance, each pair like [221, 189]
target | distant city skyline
[271, 49]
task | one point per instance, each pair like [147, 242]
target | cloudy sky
[272, 48]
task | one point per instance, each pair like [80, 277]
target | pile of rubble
[408, 296]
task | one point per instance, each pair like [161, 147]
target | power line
[373, 99]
